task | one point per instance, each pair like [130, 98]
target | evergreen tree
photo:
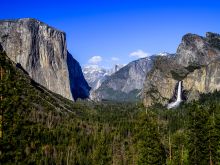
[150, 149]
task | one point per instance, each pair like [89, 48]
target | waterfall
[178, 99]
[179, 92]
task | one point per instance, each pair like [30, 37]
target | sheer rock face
[159, 84]
[125, 84]
[204, 80]
[40, 49]
[197, 64]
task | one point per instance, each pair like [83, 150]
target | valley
[50, 129]
[160, 109]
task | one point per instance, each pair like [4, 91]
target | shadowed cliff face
[41, 50]
[78, 85]
[197, 65]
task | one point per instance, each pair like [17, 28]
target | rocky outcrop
[41, 50]
[196, 64]
[126, 83]
[199, 50]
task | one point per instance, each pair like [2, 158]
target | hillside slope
[41, 127]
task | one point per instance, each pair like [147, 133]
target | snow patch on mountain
[95, 74]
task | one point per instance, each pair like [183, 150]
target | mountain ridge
[126, 83]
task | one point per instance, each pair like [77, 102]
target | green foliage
[41, 127]
[191, 133]
[150, 148]
[204, 132]
[214, 40]
[119, 96]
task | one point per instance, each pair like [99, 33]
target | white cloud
[95, 60]
[115, 59]
[139, 54]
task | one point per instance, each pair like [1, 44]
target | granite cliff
[41, 50]
[126, 83]
[196, 64]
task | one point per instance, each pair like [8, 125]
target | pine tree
[149, 146]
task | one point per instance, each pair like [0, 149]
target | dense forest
[41, 127]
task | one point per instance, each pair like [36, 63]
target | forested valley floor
[41, 127]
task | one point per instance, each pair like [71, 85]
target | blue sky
[106, 32]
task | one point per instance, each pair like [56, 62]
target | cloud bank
[139, 54]
[95, 60]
